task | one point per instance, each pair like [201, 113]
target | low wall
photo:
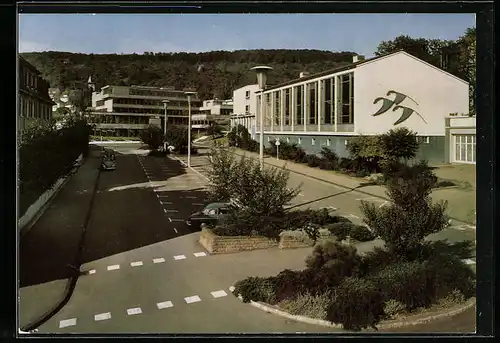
[230, 244]
[43, 199]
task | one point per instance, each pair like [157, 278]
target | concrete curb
[355, 189]
[115, 142]
[36, 210]
[383, 325]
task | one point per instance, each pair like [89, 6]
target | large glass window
[287, 106]
[465, 148]
[328, 107]
[311, 87]
[277, 107]
[347, 99]
[268, 109]
[299, 95]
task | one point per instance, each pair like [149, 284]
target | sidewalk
[52, 243]
[461, 203]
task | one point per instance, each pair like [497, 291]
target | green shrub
[309, 305]
[345, 164]
[299, 155]
[357, 304]
[361, 233]
[152, 136]
[288, 283]
[377, 259]
[392, 308]
[453, 298]
[405, 282]
[339, 219]
[331, 262]
[313, 160]
[341, 229]
[399, 143]
[255, 289]
[327, 165]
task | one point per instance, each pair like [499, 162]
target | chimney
[357, 58]
[303, 74]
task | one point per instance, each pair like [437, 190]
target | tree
[214, 130]
[418, 47]
[400, 143]
[467, 57]
[177, 136]
[152, 136]
[412, 216]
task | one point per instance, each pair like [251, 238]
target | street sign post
[277, 149]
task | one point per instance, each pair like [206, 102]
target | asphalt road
[146, 271]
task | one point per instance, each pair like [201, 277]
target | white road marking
[192, 299]
[469, 261]
[164, 304]
[170, 210]
[231, 289]
[190, 197]
[170, 219]
[92, 271]
[114, 267]
[219, 294]
[197, 204]
[162, 196]
[136, 264]
[158, 260]
[165, 210]
[179, 257]
[165, 202]
[176, 220]
[102, 316]
[200, 254]
[385, 203]
[67, 322]
[300, 194]
[135, 310]
[354, 216]
[175, 230]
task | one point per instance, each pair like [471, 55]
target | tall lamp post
[165, 102]
[261, 80]
[189, 94]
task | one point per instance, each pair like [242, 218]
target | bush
[361, 233]
[288, 283]
[152, 136]
[327, 165]
[309, 305]
[255, 289]
[177, 136]
[357, 304]
[331, 262]
[405, 282]
[377, 259]
[330, 156]
[313, 160]
[392, 308]
[299, 156]
[345, 164]
[400, 143]
[366, 153]
[341, 229]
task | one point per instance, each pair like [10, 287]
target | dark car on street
[211, 214]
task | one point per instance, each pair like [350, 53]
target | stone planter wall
[230, 244]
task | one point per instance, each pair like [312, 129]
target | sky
[137, 33]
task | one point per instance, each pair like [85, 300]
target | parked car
[211, 214]
[108, 160]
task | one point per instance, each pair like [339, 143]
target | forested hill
[212, 74]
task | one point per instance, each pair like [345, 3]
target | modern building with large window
[212, 111]
[125, 110]
[367, 97]
[34, 100]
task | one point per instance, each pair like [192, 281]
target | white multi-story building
[244, 107]
[125, 110]
[368, 97]
[212, 111]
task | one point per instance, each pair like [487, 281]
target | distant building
[34, 100]
[125, 110]
[370, 97]
[212, 111]
[245, 107]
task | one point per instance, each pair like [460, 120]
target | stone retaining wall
[230, 244]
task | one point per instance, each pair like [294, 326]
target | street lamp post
[261, 80]
[189, 94]
[165, 102]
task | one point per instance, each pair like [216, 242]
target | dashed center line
[164, 304]
[192, 299]
[132, 311]
[158, 260]
[102, 316]
[67, 322]
[175, 230]
[136, 264]
[114, 267]
[179, 257]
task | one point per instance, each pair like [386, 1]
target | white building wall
[436, 93]
[240, 100]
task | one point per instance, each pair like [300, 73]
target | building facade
[245, 107]
[212, 111]
[126, 110]
[367, 97]
[34, 100]
[460, 137]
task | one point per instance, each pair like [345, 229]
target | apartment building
[369, 97]
[125, 110]
[212, 111]
[34, 100]
[244, 107]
